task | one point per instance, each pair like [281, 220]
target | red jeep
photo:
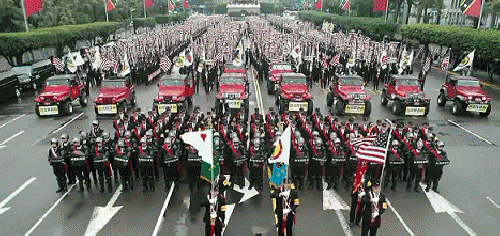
[350, 94]
[294, 93]
[274, 77]
[230, 68]
[466, 94]
[174, 91]
[408, 99]
[233, 90]
[58, 95]
[115, 92]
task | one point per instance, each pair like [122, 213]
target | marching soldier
[147, 155]
[434, 170]
[256, 164]
[169, 156]
[287, 201]
[123, 162]
[95, 131]
[394, 162]
[373, 205]
[334, 163]
[298, 162]
[239, 156]
[79, 160]
[215, 209]
[315, 168]
[58, 165]
[193, 166]
[65, 152]
[417, 158]
[102, 164]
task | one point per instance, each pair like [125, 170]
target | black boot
[101, 183]
[167, 186]
[329, 185]
[64, 185]
[428, 187]
[131, 184]
[336, 184]
[408, 186]
[125, 186]
[250, 186]
[416, 189]
[59, 184]
[144, 186]
[311, 184]
[81, 187]
[110, 186]
[89, 186]
[435, 187]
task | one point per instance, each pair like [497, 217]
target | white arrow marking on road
[247, 194]
[66, 123]
[4, 124]
[470, 132]
[50, 210]
[399, 217]
[229, 212]
[440, 205]
[102, 215]
[163, 209]
[13, 194]
[181, 229]
[2, 145]
[493, 202]
[332, 201]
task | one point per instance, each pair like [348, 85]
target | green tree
[11, 17]
[266, 7]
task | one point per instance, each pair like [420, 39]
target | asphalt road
[470, 182]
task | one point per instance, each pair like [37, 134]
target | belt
[353, 159]
[301, 160]
[146, 160]
[317, 159]
[170, 161]
[421, 162]
[442, 162]
[122, 160]
[78, 159]
[191, 159]
[338, 159]
[259, 161]
[56, 161]
[99, 161]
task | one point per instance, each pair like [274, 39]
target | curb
[482, 82]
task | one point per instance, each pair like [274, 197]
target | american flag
[57, 63]
[115, 66]
[427, 65]
[335, 61]
[446, 62]
[165, 63]
[218, 57]
[324, 62]
[105, 64]
[372, 149]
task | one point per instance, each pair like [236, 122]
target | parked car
[408, 99]
[466, 94]
[32, 76]
[115, 92]
[174, 91]
[59, 94]
[233, 91]
[9, 85]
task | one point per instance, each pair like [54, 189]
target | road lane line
[461, 223]
[50, 210]
[4, 124]
[2, 145]
[66, 123]
[13, 194]
[400, 218]
[470, 132]
[491, 200]
[162, 213]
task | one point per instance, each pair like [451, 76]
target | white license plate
[477, 107]
[295, 106]
[163, 107]
[415, 111]
[357, 109]
[106, 109]
[48, 110]
[234, 103]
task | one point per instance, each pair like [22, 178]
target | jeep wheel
[457, 108]
[427, 109]
[96, 111]
[339, 108]
[37, 110]
[190, 101]
[487, 113]
[133, 100]
[83, 100]
[270, 88]
[281, 106]
[18, 92]
[441, 100]
[396, 108]
[329, 99]
[368, 108]
[310, 107]
[68, 108]
[383, 98]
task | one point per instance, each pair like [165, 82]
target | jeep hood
[467, 91]
[57, 91]
[294, 88]
[171, 91]
[408, 89]
[111, 92]
[234, 88]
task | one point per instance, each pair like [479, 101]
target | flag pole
[386, 9]
[386, 149]
[106, 10]
[480, 13]
[24, 14]
[144, 5]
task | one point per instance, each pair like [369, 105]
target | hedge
[16, 44]
[372, 27]
[172, 17]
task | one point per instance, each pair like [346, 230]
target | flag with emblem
[204, 143]
[57, 63]
[281, 157]
[467, 61]
[360, 171]
[372, 151]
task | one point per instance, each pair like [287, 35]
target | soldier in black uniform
[79, 159]
[123, 162]
[239, 156]
[147, 154]
[373, 205]
[58, 165]
[417, 159]
[101, 159]
[169, 156]
[394, 162]
[335, 161]
[315, 167]
[193, 166]
[256, 164]
[89, 142]
[215, 210]
[65, 152]
[298, 162]
[434, 169]
[287, 201]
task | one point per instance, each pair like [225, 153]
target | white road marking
[247, 194]
[39, 140]
[2, 145]
[440, 205]
[13, 194]
[470, 132]
[332, 201]
[66, 123]
[180, 228]
[50, 210]
[4, 124]
[227, 214]
[161, 217]
[491, 200]
[102, 215]
[400, 218]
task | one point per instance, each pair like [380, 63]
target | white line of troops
[321, 147]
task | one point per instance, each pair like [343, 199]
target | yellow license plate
[295, 106]
[106, 109]
[48, 110]
[477, 107]
[163, 107]
[415, 111]
[356, 109]
[234, 103]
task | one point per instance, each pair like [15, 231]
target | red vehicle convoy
[294, 93]
[58, 95]
[230, 68]
[115, 92]
[408, 99]
[233, 90]
[275, 77]
[466, 94]
[350, 94]
[174, 91]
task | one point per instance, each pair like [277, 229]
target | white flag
[201, 141]
[282, 148]
[467, 61]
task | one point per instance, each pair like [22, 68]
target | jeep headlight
[174, 98]
[469, 98]
[483, 98]
[362, 96]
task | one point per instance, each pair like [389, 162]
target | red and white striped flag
[335, 61]
[115, 66]
[57, 63]
[446, 61]
[372, 149]
[105, 64]
[384, 60]
[324, 62]
[427, 65]
[165, 63]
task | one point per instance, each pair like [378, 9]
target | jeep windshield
[114, 84]
[57, 82]
[468, 83]
[172, 82]
[282, 67]
[232, 80]
[351, 81]
[22, 70]
[407, 82]
[294, 80]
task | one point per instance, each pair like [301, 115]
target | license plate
[234, 103]
[276, 86]
[106, 109]
[295, 106]
[477, 107]
[415, 111]
[48, 110]
[163, 107]
[357, 109]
